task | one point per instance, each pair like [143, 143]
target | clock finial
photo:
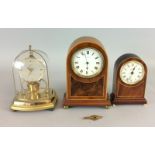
[30, 47]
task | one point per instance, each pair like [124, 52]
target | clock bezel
[126, 61]
[41, 77]
[91, 76]
[135, 83]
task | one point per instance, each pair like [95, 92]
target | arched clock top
[124, 59]
[94, 46]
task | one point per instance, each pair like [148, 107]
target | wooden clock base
[121, 101]
[86, 102]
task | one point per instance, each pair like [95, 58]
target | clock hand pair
[86, 61]
[132, 73]
[30, 70]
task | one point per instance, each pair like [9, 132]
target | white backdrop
[55, 43]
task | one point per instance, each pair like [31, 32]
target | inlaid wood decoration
[129, 82]
[87, 70]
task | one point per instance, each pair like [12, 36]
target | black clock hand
[86, 61]
[133, 71]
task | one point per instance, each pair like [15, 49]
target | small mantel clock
[129, 81]
[87, 71]
[32, 82]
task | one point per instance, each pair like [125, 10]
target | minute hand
[86, 60]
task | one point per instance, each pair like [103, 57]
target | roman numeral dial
[87, 62]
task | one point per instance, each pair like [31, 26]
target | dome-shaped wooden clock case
[86, 91]
[124, 93]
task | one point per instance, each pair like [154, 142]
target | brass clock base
[121, 101]
[35, 105]
[66, 107]
[86, 102]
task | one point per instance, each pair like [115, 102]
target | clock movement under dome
[32, 82]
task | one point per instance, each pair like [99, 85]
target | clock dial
[31, 69]
[132, 72]
[87, 62]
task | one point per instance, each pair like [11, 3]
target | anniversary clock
[87, 71]
[32, 83]
[129, 81]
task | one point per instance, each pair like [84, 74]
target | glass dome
[31, 79]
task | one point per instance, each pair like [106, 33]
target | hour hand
[133, 71]
[30, 70]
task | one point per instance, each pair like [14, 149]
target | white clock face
[31, 69]
[132, 72]
[87, 62]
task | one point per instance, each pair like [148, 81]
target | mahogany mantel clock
[87, 67]
[130, 73]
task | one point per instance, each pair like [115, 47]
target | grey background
[55, 42]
